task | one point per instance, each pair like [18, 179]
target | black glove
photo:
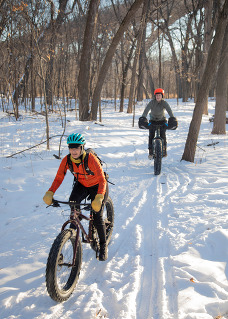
[143, 123]
[172, 123]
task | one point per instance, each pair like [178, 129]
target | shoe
[103, 254]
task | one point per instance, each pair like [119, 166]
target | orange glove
[97, 202]
[48, 197]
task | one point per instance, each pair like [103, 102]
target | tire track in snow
[157, 298]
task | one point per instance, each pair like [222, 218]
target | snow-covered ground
[168, 258]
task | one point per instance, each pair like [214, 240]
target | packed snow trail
[168, 256]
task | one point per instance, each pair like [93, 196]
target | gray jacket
[157, 110]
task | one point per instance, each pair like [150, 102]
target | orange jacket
[85, 179]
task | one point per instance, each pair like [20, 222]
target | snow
[168, 254]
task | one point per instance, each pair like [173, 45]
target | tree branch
[27, 149]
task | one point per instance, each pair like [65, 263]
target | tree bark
[210, 69]
[50, 70]
[85, 63]
[141, 68]
[109, 55]
[137, 52]
[208, 36]
[4, 7]
[219, 124]
[124, 79]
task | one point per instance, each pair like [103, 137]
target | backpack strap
[85, 162]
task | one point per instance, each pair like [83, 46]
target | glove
[48, 197]
[97, 202]
[143, 123]
[172, 123]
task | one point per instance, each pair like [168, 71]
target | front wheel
[157, 156]
[61, 276]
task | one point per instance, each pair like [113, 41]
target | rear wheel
[61, 276]
[109, 219]
[157, 156]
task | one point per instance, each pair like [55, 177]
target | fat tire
[56, 292]
[157, 156]
[109, 219]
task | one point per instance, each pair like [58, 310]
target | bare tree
[125, 69]
[219, 125]
[109, 55]
[85, 64]
[137, 52]
[210, 70]
[142, 62]
[41, 42]
[50, 57]
[4, 12]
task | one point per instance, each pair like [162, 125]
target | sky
[168, 254]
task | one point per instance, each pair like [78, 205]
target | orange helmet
[159, 91]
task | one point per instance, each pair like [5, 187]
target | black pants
[152, 133]
[81, 192]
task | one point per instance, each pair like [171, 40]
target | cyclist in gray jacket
[157, 109]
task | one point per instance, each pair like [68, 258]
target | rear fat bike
[65, 256]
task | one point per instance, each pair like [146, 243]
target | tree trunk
[219, 124]
[4, 7]
[210, 69]
[175, 61]
[85, 63]
[208, 36]
[159, 61]
[109, 55]
[124, 80]
[141, 68]
[137, 53]
[49, 73]
[150, 79]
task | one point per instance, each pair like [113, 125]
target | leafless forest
[83, 52]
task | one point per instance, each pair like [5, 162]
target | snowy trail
[157, 295]
[168, 228]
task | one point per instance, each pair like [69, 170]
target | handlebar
[158, 125]
[56, 203]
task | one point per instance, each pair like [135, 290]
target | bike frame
[77, 223]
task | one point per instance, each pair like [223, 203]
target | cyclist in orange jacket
[93, 185]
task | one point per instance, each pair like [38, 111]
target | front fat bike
[65, 256]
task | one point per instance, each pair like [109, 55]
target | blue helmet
[76, 138]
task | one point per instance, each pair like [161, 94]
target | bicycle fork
[78, 226]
